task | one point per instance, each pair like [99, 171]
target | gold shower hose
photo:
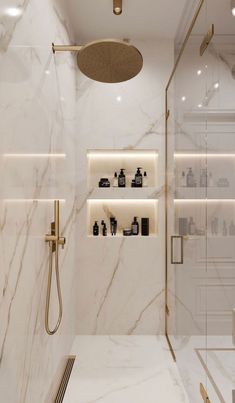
[54, 241]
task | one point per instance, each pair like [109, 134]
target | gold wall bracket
[66, 48]
[204, 394]
[206, 41]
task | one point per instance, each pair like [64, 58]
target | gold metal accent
[167, 310]
[66, 48]
[65, 380]
[110, 61]
[166, 166]
[207, 39]
[117, 7]
[204, 394]
[54, 241]
[181, 261]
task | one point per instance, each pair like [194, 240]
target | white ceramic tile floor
[124, 369]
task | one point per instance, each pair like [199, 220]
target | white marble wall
[37, 116]
[121, 281]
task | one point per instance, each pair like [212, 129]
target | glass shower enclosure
[200, 206]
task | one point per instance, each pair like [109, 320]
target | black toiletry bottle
[96, 229]
[145, 226]
[104, 230]
[135, 227]
[122, 179]
[138, 178]
[113, 225]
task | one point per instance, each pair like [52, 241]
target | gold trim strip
[66, 48]
[210, 377]
[204, 394]
[207, 39]
[65, 380]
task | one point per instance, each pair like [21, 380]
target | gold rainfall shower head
[106, 61]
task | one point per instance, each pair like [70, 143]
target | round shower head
[110, 61]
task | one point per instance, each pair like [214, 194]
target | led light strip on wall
[32, 200]
[128, 154]
[49, 155]
[204, 200]
[203, 155]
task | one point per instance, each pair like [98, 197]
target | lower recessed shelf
[124, 210]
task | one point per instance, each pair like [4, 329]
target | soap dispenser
[122, 179]
[138, 178]
[135, 227]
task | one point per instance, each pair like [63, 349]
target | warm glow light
[183, 98]
[199, 105]
[216, 86]
[123, 201]
[49, 155]
[119, 98]
[122, 154]
[204, 200]
[233, 7]
[13, 11]
[117, 10]
[47, 72]
[233, 11]
[203, 155]
[199, 72]
[32, 200]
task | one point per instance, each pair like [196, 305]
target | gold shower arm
[66, 48]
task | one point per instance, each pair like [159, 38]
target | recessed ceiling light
[199, 72]
[119, 98]
[183, 98]
[233, 7]
[47, 72]
[199, 106]
[117, 7]
[216, 86]
[13, 11]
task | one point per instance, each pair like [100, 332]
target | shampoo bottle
[122, 179]
[190, 178]
[135, 227]
[96, 229]
[104, 230]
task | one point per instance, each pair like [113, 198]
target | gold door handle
[181, 238]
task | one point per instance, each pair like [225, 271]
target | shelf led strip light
[33, 155]
[204, 155]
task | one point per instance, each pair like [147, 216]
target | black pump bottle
[122, 179]
[138, 178]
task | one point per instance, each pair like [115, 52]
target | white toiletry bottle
[183, 182]
[145, 179]
[115, 180]
[191, 227]
[211, 180]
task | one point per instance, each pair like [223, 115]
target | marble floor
[124, 369]
[210, 360]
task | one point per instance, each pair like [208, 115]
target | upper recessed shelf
[104, 163]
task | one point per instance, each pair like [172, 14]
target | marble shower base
[124, 369]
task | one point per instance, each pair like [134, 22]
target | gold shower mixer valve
[54, 238]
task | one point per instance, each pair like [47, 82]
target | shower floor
[123, 369]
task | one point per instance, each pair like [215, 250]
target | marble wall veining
[37, 116]
[120, 287]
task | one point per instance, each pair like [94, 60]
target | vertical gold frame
[167, 114]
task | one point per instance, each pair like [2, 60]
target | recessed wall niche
[124, 210]
[104, 163]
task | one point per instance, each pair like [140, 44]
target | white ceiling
[141, 19]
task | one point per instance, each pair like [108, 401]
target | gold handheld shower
[106, 61]
[54, 241]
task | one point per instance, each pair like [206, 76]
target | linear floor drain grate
[65, 380]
